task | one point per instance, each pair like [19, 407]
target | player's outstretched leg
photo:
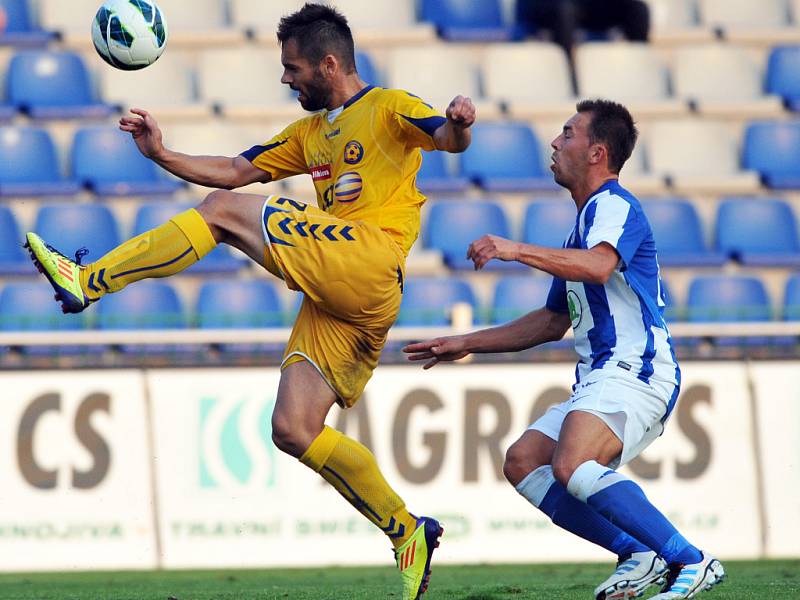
[163, 251]
[633, 576]
[414, 557]
[686, 581]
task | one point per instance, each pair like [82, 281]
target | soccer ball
[129, 34]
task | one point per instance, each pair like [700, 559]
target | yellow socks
[160, 252]
[351, 468]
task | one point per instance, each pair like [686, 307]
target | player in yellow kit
[362, 149]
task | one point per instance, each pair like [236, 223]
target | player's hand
[461, 112]
[145, 132]
[484, 249]
[437, 350]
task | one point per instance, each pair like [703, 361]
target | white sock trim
[536, 484]
[583, 480]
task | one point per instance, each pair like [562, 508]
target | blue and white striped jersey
[619, 325]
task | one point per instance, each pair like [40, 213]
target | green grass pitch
[773, 580]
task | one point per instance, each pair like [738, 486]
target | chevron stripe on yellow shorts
[351, 274]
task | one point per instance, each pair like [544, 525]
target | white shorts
[632, 409]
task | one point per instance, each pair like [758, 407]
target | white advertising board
[74, 472]
[227, 497]
[777, 391]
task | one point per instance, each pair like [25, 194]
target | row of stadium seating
[454, 19]
[29, 306]
[503, 157]
[758, 232]
[715, 79]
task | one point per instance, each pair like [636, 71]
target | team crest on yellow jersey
[353, 152]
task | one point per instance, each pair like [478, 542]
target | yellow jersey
[363, 158]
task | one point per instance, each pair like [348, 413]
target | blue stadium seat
[367, 70]
[515, 296]
[454, 225]
[678, 233]
[52, 85]
[772, 149]
[151, 215]
[13, 260]
[19, 28]
[505, 157]
[791, 299]
[721, 298]
[433, 176]
[783, 75]
[109, 163]
[467, 20]
[148, 304]
[29, 164]
[549, 222]
[758, 232]
[427, 301]
[29, 306]
[69, 227]
[239, 304]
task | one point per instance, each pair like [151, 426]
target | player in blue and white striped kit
[607, 286]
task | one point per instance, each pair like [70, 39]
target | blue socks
[542, 490]
[624, 504]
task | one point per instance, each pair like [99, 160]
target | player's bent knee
[563, 470]
[518, 463]
[215, 206]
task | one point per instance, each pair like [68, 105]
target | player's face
[571, 151]
[305, 78]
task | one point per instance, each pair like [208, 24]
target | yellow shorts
[351, 274]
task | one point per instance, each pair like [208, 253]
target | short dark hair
[319, 30]
[613, 126]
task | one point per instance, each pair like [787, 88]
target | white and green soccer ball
[129, 34]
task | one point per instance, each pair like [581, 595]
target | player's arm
[594, 265]
[454, 134]
[537, 327]
[211, 171]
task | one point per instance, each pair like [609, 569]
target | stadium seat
[791, 299]
[151, 215]
[108, 162]
[52, 85]
[148, 304]
[367, 70]
[13, 260]
[723, 79]
[720, 298]
[453, 225]
[200, 22]
[166, 88]
[783, 74]
[29, 306]
[428, 301]
[758, 232]
[772, 149]
[678, 233]
[225, 79]
[434, 177]
[19, 27]
[68, 227]
[257, 15]
[431, 76]
[378, 16]
[549, 222]
[513, 74]
[515, 296]
[239, 304]
[29, 164]
[628, 72]
[505, 157]
[467, 20]
[698, 155]
[743, 14]
[672, 15]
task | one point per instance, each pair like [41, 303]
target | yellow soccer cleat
[414, 557]
[63, 273]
